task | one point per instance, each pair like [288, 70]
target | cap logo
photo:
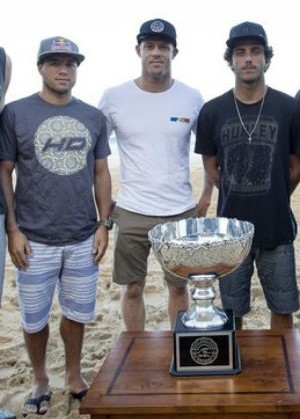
[157, 26]
[61, 44]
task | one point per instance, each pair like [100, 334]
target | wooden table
[134, 381]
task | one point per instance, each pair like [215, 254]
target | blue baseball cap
[247, 30]
[157, 28]
[59, 45]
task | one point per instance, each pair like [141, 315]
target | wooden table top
[135, 379]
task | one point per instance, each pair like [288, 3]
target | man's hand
[100, 243]
[19, 249]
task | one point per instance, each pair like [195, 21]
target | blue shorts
[277, 273]
[70, 269]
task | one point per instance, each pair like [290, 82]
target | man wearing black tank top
[250, 141]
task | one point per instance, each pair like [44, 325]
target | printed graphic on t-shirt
[248, 163]
[62, 144]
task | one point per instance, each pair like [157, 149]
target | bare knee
[176, 291]
[134, 289]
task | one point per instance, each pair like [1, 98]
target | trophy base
[205, 351]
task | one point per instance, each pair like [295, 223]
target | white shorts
[70, 268]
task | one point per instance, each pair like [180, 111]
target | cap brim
[78, 57]
[144, 37]
[231, 42]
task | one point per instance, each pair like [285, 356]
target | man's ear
[175, 52]
[230, 65]
[138, 49]
[39, 67]
[266, 66]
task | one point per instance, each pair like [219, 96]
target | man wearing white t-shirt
[153, 118]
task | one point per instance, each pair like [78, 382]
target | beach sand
[100, 335]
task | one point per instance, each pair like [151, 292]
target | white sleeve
[104, 106]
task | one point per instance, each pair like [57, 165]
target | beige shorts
[132, 246]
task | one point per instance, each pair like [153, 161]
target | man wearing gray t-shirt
[59, 147]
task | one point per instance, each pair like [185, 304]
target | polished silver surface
[201, 250]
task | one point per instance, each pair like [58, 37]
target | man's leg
[235, 290]
[36, 345]
[277, 273]
[281, 321]
[130, 264]
[133, 306]
[238, 323]
[77, 298]
[5, 414]
[72, 334]
[2, 253]
[36, 287]
[178, 300]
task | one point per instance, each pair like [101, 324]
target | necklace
[249, 133]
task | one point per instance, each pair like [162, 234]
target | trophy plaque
[202, 250]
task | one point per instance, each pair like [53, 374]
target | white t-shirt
[153, 133]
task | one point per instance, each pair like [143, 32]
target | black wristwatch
[106, 223]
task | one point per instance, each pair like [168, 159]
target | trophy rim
[244, 222]
[159, 241]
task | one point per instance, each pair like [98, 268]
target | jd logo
[65, 144]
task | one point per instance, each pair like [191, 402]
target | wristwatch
[106, 223]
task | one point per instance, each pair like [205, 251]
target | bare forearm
[211, 168]
[18, 245]
[103, 201]
[103, 193]
[7, 186]
[205, 197]
[214, 176]
[294, 172]
[208, 186]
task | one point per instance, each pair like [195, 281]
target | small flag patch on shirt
[179, 119]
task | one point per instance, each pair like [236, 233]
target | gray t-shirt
[54, 148]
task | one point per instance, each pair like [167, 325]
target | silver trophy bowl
[201, 250]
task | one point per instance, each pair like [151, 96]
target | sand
[100, 335]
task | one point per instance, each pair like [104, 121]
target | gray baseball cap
[59, 45]
[247, 30]
[157, 28]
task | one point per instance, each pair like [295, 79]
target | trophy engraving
[202, 250]
[204, 351]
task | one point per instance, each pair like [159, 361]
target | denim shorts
[277, 274]
[70, 269]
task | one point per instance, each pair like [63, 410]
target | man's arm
[211, 179]
[18, 244]
[205, 197]
[294, 171]
[103, 201]
[8, 71]
[211, 168]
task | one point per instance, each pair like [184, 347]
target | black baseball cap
[247, 30]
[59, 45]
[157, 28]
